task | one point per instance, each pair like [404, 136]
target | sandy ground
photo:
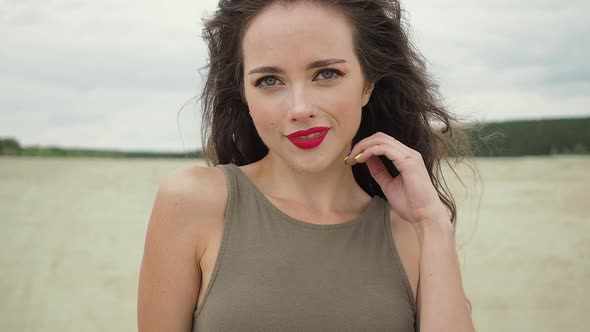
[72, 233]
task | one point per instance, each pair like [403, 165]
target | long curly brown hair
[405, 102]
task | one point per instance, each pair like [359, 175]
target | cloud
[499, 60]
[101, 74]
[112, 74]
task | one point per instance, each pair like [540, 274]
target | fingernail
[358, 156]
[346, 158]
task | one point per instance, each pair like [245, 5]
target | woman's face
[303, 84]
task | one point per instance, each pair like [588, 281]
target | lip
[310, 143]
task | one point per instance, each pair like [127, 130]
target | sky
[124, 75]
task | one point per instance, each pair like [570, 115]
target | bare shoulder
[408, 247]
[193, 186]
[193, 197]
[186, 217]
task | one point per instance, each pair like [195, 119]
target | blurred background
[97, 105]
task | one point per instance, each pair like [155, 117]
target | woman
[326, 210]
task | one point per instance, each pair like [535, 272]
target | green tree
[9, 146]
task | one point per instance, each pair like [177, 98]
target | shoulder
[408, 247]
[190, 202]
[205, 183]
[186, 217]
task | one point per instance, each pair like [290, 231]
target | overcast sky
[114, 74]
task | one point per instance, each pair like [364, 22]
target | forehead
[297, 33]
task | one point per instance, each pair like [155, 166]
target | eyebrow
[312, 65]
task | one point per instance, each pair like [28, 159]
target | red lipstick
[308, 138]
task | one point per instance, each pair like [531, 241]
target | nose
[301, 107]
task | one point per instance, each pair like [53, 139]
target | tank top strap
[232, 192]
[231, 214]
[244, 198]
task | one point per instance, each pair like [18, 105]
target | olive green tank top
[276, 273]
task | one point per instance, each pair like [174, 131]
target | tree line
[492, 139]
[531, 137]
[11, 147]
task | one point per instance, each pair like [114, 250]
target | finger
[378, 171]
[402, 160]
[375, 139]
[390, 151]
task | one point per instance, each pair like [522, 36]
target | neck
[330, 189]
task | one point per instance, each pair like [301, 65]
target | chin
[312, 163]
[315, 160]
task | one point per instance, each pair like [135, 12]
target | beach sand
[72, 233]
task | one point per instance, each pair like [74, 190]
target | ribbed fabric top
[276, 273]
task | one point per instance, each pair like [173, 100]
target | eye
[266, 81]
[328, 74]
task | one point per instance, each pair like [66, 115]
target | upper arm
[176, 238]
[408, 247]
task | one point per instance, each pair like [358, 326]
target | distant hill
[492, 139]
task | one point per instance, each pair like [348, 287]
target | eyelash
[260, 80]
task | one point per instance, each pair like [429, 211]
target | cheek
[264, 113]
[346, 103]
[264, 120]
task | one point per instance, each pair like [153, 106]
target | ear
[367, 91]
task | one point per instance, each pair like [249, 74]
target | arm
[442, 304]
[176, 239]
